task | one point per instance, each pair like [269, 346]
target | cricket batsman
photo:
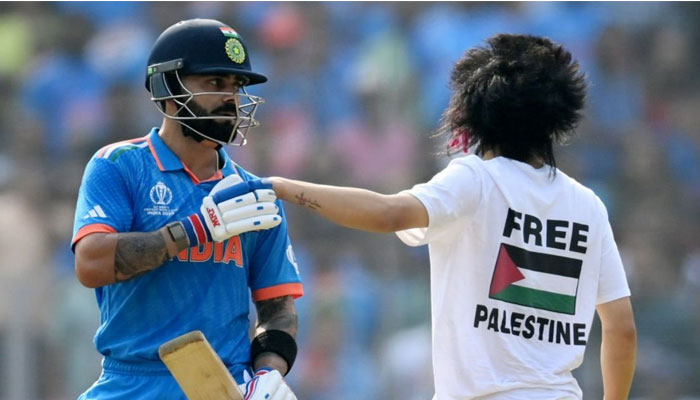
[174, 236]
[521, 254]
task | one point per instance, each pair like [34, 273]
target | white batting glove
[231, 208]
[254, 210]
[246, 206]
[267, 384]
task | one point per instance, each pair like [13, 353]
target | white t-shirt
[519, 262]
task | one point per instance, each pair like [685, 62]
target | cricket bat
[198, 369]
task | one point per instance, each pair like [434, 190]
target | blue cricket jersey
[140, 185]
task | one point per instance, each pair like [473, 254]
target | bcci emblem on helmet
[235, 51]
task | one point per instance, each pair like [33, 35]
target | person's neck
[535, 162]
[201, 158]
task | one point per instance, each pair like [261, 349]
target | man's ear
[168, 107]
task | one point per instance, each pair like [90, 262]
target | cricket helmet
[199, 47]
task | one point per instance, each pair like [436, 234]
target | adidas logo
[95, 212]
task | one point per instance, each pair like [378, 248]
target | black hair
[517, 95]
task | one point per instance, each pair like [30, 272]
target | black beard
[213, 129]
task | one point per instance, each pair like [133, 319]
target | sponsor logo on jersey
[161, 196]
[95, 212]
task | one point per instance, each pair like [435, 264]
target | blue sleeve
[273, 267]
[104, 200]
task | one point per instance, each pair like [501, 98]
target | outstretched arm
[353, 207]
[619, 348]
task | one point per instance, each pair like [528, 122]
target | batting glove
[267, 384]
[233, 207]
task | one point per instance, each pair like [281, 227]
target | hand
[231, 208]
[267, 384]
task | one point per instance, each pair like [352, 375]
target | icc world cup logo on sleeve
[161, 196]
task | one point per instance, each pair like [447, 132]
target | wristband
[275, 341]
[196, 230]
[178, 234]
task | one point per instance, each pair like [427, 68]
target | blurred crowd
[356, 91]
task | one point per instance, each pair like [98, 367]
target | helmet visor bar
[172, 65]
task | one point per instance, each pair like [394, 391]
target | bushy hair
[517, 95]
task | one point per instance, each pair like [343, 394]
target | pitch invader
[174, 235]
[521, 255]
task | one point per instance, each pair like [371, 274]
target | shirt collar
[169, 161]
